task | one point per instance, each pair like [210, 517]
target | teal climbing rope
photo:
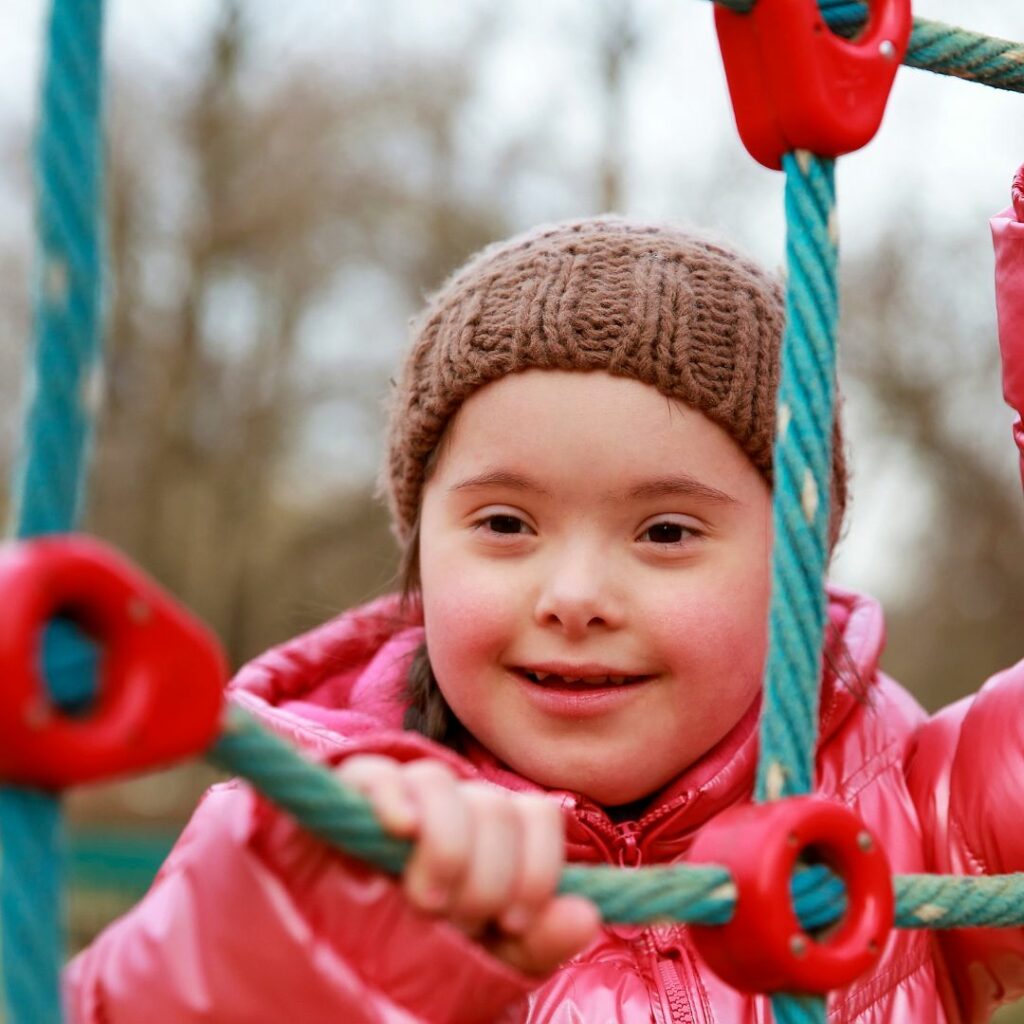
[48, 489]
[801, 502]
[48, 480]
[802, 467]
[343, 818]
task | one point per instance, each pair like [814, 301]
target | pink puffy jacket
[251, 920]
[1008, 237]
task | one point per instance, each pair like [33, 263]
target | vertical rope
[802, 480]
[803, 470]
[48, 478]
[47, 485]
[799, 1009]
[32, 938]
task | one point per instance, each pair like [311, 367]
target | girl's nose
[577, 596]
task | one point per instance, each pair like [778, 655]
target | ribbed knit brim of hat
[659, 304]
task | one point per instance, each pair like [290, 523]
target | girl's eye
[502, 522]
[667, 533]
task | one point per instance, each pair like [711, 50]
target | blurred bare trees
[273, 226]
[235, 221]
[270, 232]
[920, 348]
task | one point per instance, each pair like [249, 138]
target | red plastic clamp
[1017, 193]
[763, 948]
[795, 84]
[160, 679]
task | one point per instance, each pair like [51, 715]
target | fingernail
[429, 897]
[515, 920]
[402, 814]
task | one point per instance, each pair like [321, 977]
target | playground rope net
[49, 485]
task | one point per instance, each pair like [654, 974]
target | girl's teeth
[544, 677]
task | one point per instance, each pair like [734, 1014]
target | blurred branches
[235, 220]
[275, 220]
[921, 351]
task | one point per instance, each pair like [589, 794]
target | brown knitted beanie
[661, 305]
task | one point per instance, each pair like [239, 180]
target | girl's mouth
[553, 681]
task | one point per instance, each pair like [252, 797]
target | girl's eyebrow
[679, 484]
[675, 485]
[501, 478]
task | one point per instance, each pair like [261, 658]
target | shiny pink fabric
[251, 920]
[1008, 238]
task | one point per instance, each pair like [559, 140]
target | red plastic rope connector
[1017, 193]
[160, 679]
[795, 84]
[763, 947]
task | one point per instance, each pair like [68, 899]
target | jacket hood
[339, 688]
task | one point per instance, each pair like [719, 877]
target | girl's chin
[605, 788]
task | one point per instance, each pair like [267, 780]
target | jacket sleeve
[965, 775]
[250, 920]
[1008, 238]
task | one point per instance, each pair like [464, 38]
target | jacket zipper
[675, 1000]
[670, 991]
[622, 841]
[627, 846]
[679, 1008]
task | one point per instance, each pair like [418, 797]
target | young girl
[580, 474]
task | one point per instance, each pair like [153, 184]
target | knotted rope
[48, 489]
[344, 819]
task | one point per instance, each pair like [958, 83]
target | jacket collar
[346, 678]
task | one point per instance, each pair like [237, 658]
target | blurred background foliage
[278, 211]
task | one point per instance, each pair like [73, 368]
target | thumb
[566, 926]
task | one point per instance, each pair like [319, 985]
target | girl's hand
[485, 859]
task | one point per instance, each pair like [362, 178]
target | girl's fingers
[541, 856]
[489, 883]
[439, 860]
[563, 928]
[482, 857]
[380, 780]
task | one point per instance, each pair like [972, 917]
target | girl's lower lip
[578, 703]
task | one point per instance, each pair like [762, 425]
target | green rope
[49, 477]
[343, 818]
[802, 454]
[49, 488]
[803, 471]
[946, 50]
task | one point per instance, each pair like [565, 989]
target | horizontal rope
[343, 818]
[934, 46]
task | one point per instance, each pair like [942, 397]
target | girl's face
[594, 561]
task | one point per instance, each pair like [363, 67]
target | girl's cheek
[712, 623]
[467, 633]
[464, 620]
